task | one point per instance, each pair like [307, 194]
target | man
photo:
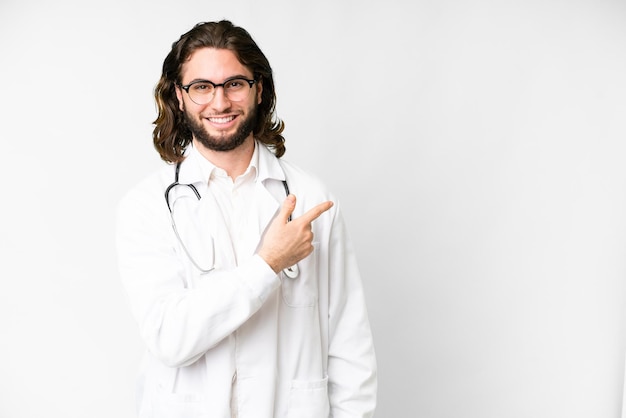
[249, 301]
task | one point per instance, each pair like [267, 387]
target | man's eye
[235, 84]
[202, 87]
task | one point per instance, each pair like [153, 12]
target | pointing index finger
[316, 211]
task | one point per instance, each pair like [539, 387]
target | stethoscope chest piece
[292, 272]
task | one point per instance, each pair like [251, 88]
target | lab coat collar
[268, 165]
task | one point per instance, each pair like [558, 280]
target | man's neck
[235, 162]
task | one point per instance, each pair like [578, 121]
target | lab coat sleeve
[179, 324]
[352, 374]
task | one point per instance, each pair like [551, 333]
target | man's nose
[220, 102]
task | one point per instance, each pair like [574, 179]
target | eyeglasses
[202, 92]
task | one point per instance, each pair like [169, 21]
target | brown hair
[171, 135]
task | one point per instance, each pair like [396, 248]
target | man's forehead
[213, 63]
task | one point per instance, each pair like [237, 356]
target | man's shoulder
[297, 173]
[151, 186]
[305, 183]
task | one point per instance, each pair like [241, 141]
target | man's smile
[221, 119]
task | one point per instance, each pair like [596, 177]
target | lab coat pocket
[180, 405]
[308, 399]
[301, 291]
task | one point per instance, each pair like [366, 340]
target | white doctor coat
[293, 347]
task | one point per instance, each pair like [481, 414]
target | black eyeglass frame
[215, 86]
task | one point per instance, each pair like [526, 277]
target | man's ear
[259, 91]
[179, 96]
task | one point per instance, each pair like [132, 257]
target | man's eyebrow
[195, 80]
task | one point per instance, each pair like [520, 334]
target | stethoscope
[291, 272]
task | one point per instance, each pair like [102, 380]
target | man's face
[221, 124]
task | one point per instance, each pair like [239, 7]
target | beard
[222, 142]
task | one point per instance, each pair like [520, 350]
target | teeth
[222, 120]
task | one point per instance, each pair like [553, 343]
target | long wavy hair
[171, 135]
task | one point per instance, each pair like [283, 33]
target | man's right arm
[177, 323]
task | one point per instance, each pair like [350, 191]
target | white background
[477, 148]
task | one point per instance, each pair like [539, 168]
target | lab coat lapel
[206, 217]
[269, 189]
[268, 206]
[192, 225]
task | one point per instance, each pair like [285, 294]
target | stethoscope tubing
[291, 272]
